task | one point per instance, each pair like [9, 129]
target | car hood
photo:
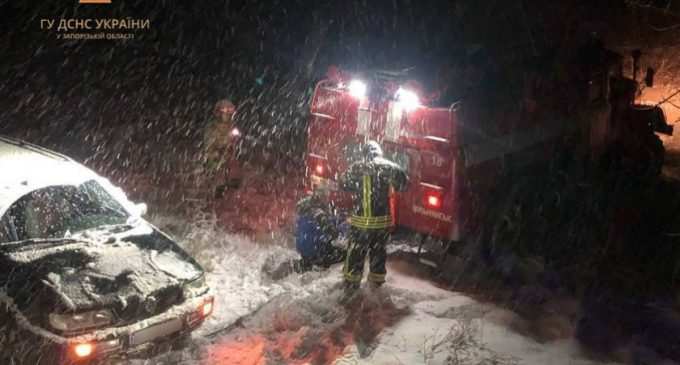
[124, 272]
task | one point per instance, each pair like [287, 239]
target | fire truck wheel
[440, 253]
[182, 342]
[433, 249]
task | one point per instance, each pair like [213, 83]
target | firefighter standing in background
[370, 180]
[217, 146]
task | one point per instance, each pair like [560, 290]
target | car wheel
[181, 342]
[173, 352]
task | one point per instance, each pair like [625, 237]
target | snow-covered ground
[298, 319]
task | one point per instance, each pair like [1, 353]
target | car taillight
[83, 350]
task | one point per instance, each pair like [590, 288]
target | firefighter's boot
[375, 285]
[350, 293]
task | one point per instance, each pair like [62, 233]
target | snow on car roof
[25, 167]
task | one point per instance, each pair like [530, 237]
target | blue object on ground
[308, 235]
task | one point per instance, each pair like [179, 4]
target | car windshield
[57, 211]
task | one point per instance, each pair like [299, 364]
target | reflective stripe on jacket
[370, 183]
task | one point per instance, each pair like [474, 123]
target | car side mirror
[140, 209]
[649, 77]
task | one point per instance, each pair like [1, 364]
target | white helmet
[372, 150]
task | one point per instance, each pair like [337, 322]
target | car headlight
[195, 287]
[79, 321]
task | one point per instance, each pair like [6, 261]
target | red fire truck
[451, 156]
[423, 140]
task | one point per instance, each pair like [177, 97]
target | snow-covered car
[84, 277]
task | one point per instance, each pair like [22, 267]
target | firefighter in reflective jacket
[370, 180]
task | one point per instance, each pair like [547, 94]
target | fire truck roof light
[319, 169]
[407, 99]
[357, 89]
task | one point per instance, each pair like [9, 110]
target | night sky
[265, 56]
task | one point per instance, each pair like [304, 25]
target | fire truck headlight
[235, 132]
[407, 99]
[357, 89]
